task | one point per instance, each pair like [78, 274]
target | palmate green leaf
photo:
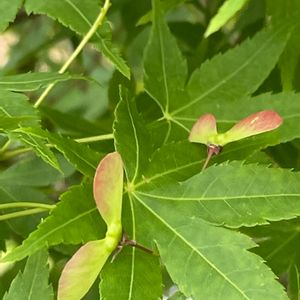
[79, 16]
[227, 11]
[16, 110]
[206, 262]
[165, 70]
[31, 81]
[231, 194]
[236, 73]
[81, 156]
[74, 220]
[32, 284]
[131, 137]
[9, 10]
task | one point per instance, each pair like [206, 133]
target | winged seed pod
[82, 269]
[205, 132]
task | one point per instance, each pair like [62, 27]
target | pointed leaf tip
[257, 123]
[204, 128]
[108, 188]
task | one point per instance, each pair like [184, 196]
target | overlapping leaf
[73, 221]
[38, 145]
[33, 282]
[81, 156]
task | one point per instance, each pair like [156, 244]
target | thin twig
[22, 213]
[86, 38]
[26, 204]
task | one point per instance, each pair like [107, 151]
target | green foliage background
[137, 87]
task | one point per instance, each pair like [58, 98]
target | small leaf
[108, 188]
[81, 156]
[228, 10]
[257, 123]
[203, 129]
[32, 284]
[9, 10]
[82, 269]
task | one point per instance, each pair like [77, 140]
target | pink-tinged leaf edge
[204, 128]
[108, 187]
